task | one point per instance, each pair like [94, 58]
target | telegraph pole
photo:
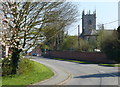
[78, 37]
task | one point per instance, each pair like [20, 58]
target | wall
[85, 56]
[37, 51]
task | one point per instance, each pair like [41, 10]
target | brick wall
[85, 56]
[37, 51]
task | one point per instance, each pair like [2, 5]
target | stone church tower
[88, 24]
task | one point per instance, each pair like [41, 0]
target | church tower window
[89, 22]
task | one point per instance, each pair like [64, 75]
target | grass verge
[83, 62]
[73, 61]
[110, 65]
[35, 73]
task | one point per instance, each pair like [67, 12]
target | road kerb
[56, 76]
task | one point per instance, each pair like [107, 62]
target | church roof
[90, 32]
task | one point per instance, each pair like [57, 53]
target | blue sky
[105, 12]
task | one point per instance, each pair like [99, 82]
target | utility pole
[78, 37]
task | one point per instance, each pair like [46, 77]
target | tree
[111, 46]
[71, 43]
[103, 35]
[23, 24]
[84, 45]
[54, 32]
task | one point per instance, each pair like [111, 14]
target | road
[69, 73]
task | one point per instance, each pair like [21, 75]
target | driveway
[69, 73]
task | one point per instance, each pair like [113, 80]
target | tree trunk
[14, 60]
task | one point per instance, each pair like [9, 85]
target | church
[88, 25]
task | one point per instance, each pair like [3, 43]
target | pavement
[69, 73]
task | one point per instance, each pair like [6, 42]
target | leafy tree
[71, 43]
[84, 45]
[102, 36]
[111, 46]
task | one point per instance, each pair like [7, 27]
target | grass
[83, 62]
[111, 65]
[36, 73]
[73, 61]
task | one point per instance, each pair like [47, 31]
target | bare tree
[62, 16]
[23, 23]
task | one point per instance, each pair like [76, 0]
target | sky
[105, 12]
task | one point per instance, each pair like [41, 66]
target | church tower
[88, 23]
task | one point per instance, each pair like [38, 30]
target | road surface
[69, 73]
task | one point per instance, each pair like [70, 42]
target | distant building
[119, 13]
[88, 25]
[35, 52]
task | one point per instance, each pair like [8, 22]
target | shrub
[23, 66]
[111, 46]
[6, 66]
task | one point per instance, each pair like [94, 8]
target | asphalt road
[69, 73]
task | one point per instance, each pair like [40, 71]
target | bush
[31, 72]
[84, 45]
[111, 46]
[71, 43]
[6, 66]
[23, 66]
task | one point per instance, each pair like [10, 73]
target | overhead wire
[73, 29]
[44, 42]
[111, 22]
